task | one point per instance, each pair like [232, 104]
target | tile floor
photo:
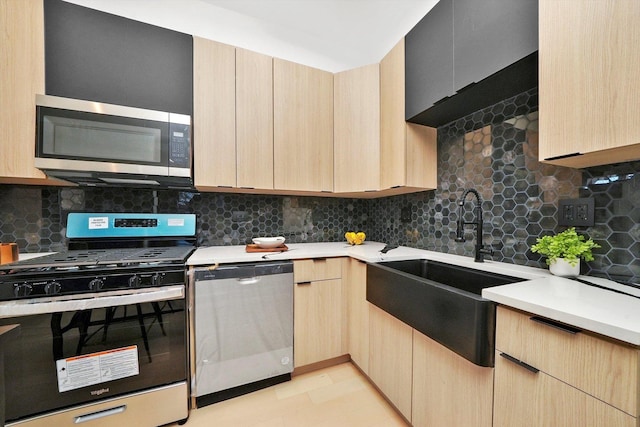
[339, 396]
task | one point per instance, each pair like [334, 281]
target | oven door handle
[28, 307]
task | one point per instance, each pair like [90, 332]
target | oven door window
[67, 358]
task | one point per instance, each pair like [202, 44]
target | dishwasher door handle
[248, 280]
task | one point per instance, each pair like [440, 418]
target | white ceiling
[332, 35]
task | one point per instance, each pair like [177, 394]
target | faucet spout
[480, 249]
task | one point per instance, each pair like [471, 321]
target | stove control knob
[22, 290]
[96, 284]
[134, 281]
[52, 288]
[156, 280]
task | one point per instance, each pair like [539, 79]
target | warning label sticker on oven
[98, 222]
[175, 222]
[89, 369]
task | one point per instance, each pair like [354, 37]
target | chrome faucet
[481, 251]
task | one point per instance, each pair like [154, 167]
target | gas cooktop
[161, 245]
[101, 258]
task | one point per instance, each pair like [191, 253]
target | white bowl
[269, 242]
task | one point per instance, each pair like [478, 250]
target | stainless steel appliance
[97, 144]
[103, 329]
[243, 329]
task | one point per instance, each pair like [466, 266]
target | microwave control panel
[179, 145]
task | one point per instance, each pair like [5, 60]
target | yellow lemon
[355, 238]
[350, 236]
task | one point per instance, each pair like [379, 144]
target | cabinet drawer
[309, 270]
[602, 368]
[524, 398]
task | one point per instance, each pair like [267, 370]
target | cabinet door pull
[520, 363]
[303, 283]
[564, 156]
[557, 325]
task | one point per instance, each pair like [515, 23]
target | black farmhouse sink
[443, 301]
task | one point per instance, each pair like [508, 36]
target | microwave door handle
[29, 307]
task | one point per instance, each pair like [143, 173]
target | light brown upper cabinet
[408, 151]
[21, 78]
[302, 128]
[214, 114]
[233, 117]
[376, 152]
[254, 120]
[357, 129]
[589, 90]
[264, 124]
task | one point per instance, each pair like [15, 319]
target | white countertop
[24, 257]
[598, 310]
[368, 251]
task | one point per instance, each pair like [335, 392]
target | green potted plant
[564, 251]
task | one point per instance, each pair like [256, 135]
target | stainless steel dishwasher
[242, 329]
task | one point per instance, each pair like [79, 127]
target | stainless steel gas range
[102, 336]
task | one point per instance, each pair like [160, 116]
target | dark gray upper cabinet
[429, 59]
[97, 56]
[490, 35]
[465, 55]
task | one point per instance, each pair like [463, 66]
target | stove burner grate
[103, 258]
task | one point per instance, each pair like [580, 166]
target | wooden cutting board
[252, 247]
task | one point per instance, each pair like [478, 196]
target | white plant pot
[560, 267]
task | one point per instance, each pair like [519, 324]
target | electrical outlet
[405, 214]
[576, 212]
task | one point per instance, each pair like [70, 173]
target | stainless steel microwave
[97, 144]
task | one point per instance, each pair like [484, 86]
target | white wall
[332, 35]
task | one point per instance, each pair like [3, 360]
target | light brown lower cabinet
[528, 399]
[319, 329]
[448, 390]
[551, 374]
[355, 280]
[546, 373]
[391, 358]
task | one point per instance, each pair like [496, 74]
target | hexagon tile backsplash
[494, 150]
